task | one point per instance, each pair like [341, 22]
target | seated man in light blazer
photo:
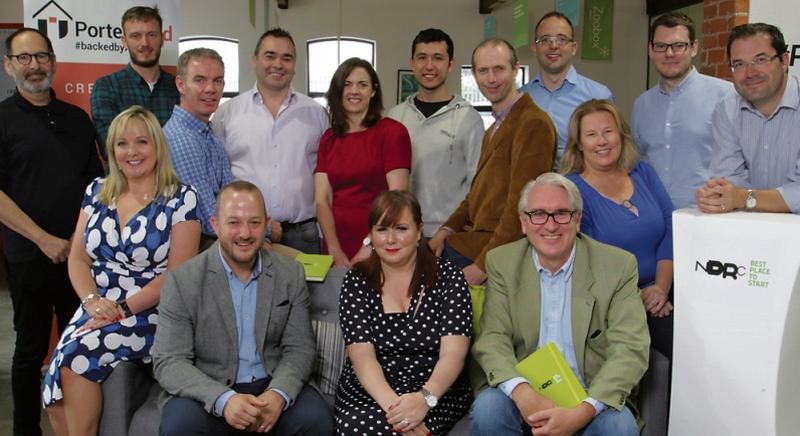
[234, 346]
[559, 286]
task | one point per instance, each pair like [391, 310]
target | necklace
[628, 205]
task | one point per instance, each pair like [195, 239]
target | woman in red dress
[360, 156]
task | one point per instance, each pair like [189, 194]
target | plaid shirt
[199, 160]
[118, 91]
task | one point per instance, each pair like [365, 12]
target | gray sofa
[130, 392]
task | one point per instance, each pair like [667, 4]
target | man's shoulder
[507, 252]
[594, 88]
[525, 110]
[194, 270]
[109, 80]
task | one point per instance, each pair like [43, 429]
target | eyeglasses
[677, 47]
[759, 61]
[42, 57]
[539, 217]
[558, 40]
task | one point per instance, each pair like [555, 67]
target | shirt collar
[257, 96]
[679, 88]
[789, 100]
[129, 69]
[566, 268]
[253, 274]
[572, 77]
[27, 106]
[190, 121]
[500, 116]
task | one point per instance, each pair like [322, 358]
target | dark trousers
[309, 415]
[303, 237]
[456, 257]
[38, 287]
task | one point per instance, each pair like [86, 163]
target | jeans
[303, 237]
[495, 414]
[456, 257]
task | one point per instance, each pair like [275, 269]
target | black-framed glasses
[42, 57]
[677, 47]
[559, 40]
[759, 61]
[539, 217]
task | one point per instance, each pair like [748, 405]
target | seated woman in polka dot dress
[134, 224]
[406, 319]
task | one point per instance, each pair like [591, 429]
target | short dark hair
[670, 20]
[334, 96]
[275, 32]
[10, 38]
[142, 13]
[495, 42]
[385, 211]
[432, 35]
[197, 53]
[752, 29]
[557, 15]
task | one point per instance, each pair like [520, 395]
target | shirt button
[766, 147]
[667, 147]
[667, 124]
[666, 169]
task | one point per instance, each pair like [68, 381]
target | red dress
[356, 165]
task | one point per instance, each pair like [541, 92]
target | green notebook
[316, 266]
[550, 375]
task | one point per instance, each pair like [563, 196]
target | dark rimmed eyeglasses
[42, 57]
[677, 47]
[539, 217]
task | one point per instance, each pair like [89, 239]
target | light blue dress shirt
[561, 103]
[199, 160]
[555, 321]
[673, 132]
[251, 368]
[758, 152]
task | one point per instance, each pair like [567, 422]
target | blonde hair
[116, 183]
[573, 159]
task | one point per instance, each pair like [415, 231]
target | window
[325, 55]
[471, 93]
[228, 48]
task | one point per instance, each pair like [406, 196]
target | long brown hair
[334, 95]
[386, 211]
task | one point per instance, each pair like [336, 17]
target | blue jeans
[495, 414]
[456, 257]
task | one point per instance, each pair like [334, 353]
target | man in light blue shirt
[560, 286]
[755, 160]
[671, 121]
[557, 88]
[234, 349]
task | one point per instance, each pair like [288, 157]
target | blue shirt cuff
[286, 397]
[598, 406]
[222, 400]
[508, 386]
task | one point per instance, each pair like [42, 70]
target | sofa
[130, 393]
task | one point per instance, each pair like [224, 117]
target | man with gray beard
[47, 157]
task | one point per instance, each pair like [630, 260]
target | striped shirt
[758, 152]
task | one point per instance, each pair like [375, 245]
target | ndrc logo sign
[718, 268]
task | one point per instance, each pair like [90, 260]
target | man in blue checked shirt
[197, 154]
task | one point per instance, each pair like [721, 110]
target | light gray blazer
[196, 352]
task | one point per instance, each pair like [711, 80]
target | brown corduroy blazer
[523, 147]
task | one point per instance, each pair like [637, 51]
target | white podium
[736, 361]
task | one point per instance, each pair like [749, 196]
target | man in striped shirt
[755, 157]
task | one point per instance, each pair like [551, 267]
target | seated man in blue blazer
[558, 285]
[234, 346]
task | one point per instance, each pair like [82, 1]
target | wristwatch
[750, 202]
[430, 399]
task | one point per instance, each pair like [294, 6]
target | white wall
[394, 23]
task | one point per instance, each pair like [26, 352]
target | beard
[146, 63]
[34, 88]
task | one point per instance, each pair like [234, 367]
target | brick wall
[719, 17]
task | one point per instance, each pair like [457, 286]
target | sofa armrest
[124, 391]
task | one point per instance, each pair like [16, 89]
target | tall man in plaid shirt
[197, 154]
[142, 81]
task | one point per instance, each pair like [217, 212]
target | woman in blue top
[625, 203]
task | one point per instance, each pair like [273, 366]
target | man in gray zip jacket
[446, 131]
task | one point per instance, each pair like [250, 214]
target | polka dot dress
[407, 348]
[123, 261]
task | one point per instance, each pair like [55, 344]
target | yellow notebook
[550, 375]
[316, 266]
